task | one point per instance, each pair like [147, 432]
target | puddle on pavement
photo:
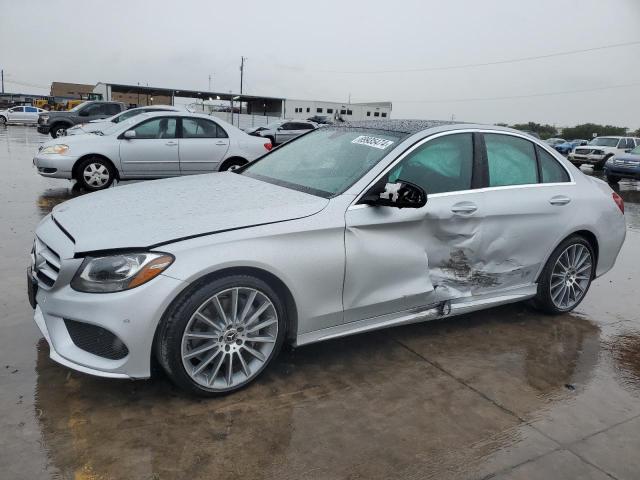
[625, 351]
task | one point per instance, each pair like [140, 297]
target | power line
[511, 97]
[483, 64]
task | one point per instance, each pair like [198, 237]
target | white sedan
[164, 144]
[22, 114]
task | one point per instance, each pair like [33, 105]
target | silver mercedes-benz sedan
[346, 229]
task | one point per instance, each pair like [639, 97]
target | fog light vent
[96, 340]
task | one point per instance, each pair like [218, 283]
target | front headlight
[59, 149]
[45, 118]
[116, 273]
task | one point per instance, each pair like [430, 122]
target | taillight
[619, 202]
[268, 146]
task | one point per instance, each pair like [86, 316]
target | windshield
[635, 151]
[110, 129]
[604, 142]
[325, 162]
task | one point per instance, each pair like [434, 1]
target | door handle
[221, 143]
[464, 208]
[171, 143]
[559, 200]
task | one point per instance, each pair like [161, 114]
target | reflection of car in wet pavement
[215, 292]
[147, 146]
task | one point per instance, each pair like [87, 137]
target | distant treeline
[584, 131]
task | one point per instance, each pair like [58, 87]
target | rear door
[202, 146]
[154, 150]
[398, 260]
[528, 201]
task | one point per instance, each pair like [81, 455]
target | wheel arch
[588, 235]
[274, 281]
[76, 165]
[231, 159]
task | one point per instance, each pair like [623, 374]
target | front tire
[221, 334]
[566, 277]
[95, 174]
[3, 120]
[58, 130]
[612, 179]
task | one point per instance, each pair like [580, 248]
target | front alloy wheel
[222, 336]
[95, 174]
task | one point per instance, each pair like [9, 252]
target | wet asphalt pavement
[504, 393]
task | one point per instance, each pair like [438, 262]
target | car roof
[400, 126]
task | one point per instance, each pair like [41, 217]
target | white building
[301, 109]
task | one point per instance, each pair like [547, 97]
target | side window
[157, 128]
[440, 165]
[17, 109]
[111, 109]
[93, 109]
[127, 115]
[630, 143]
[552, 171]
[286, 126]
[318, 110]
[199, 128]
[30, 109]
[511, 160]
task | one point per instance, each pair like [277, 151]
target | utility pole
[2, 73]
[210, 82]
[242, 59]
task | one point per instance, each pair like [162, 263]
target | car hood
[153, 213]
[628, 156]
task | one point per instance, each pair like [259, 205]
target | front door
[412, 259]
[16, 115]
[153, 152]
[203, 146]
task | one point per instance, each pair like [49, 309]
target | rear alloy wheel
[566, 277]
[95, 174]
[221, 336]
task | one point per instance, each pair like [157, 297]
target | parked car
[284, 130]
[57, 123]
[626, 165]
[601, 149]
[555, 141]
[162, 144]
[100, 124]
[568, 146]
[347, 229]
[21, 114]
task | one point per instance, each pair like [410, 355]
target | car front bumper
[590, 158]
[622, 171]
[54, 165]
[131, 316]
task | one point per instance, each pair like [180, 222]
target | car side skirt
[429, 312]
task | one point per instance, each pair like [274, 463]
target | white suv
[600, 149]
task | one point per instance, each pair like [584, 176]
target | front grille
[46, 264]
[96, 340]
[583, 151]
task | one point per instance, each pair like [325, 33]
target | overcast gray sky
[297, 49]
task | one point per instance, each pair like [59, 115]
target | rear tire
[3, 120]
[204, 342]
[566, 276]
[95, 173]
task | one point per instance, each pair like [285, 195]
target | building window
[343, 112]
[329, 110]
[368, 114]
[384, 114]
[308, 109]
[318, 110]
[349, 112]
[376, 114]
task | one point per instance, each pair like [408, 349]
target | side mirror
[130, 134]
[400, 194]
[83, 113]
